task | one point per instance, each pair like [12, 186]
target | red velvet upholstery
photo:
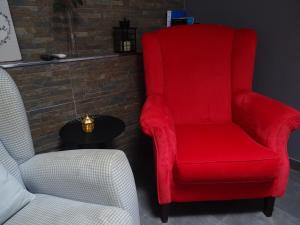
[193, 60]
[270, 123]
[214, 138]
[221, 153]
[157, 122]
[243, 59]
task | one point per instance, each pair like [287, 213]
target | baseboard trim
[295, 164]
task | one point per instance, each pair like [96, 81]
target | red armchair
[214, 138]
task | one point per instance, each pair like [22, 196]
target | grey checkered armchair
[71, 187]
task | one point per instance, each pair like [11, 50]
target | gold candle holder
[88, 124]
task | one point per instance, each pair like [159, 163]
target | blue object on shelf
[176, 17]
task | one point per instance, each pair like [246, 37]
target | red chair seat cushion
[221, 153]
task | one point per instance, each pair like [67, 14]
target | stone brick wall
[39, 30]
[104, 86]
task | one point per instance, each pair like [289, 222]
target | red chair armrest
[156, 121]
[268, 121]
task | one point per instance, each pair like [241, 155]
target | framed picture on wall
[9, 47]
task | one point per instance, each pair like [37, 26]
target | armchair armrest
[156, 121]
[93, 176]
[268, 121]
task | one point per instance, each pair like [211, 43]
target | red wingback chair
[214, 138]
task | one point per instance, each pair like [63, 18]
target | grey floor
[287, 209]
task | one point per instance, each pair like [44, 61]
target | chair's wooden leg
[164, 212]
[269, 206]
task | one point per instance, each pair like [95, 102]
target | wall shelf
[9, 65]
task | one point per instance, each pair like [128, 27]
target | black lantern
[124, 37]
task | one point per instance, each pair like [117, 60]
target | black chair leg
[164, 212]
[269, 206]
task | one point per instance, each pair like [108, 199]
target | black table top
[106, 129]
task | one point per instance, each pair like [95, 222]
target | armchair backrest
[196, 69]
[14, 127]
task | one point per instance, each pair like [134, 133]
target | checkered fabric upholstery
[14, 128]
[95, 176]
[10, 164]
[92, 177]
[50, 210]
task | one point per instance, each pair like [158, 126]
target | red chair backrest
[197, 68]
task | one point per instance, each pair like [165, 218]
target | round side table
[106, 129]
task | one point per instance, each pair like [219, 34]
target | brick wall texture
[104, 86]
[40, 30]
